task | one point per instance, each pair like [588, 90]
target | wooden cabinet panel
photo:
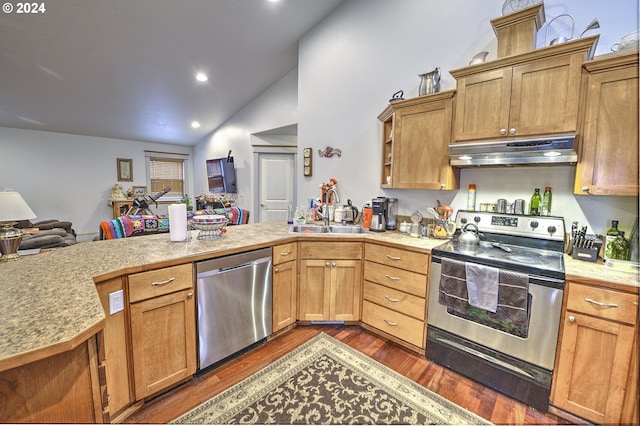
[609, 154]
[330, 290]
[160, 281]
[415, 145]
[116, 350]
[482, 105]
[407, 281]
[164, 341]
[593, 367]
[394, 299]
[330, 250]
[285, 253]
[532, 94]
[394, 323]
[285, 295]
[58, 389]
[608, 304]
[399, 258]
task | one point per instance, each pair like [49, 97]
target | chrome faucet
[325, 217]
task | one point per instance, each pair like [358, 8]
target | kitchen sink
[332, 229]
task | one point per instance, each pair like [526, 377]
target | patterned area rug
[325, 381]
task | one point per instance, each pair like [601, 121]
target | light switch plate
[116, 302]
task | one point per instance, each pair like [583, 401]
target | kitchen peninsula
[52, 314]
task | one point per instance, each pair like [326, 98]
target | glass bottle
[471, 198]
[546, 202]
[290, 214]
[612, 233]
[620, 247]
[536, 200]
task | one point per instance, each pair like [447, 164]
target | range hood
[554, 150]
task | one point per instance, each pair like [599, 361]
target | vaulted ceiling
[126, 69]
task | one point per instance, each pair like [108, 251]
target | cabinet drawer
[398, 279]
[603, 303]
[399, 301]
[330, 250]
[409, 260]
[403, 327]
[284, 253]
[154, 283]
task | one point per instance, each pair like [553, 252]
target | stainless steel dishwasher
[234, 304]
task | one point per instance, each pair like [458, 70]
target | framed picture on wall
[125, 169]
[139, 191]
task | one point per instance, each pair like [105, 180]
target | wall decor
[307, 161]
[139, 191]
[125, 169]
[329, 152]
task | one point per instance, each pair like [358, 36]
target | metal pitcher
[429, 82]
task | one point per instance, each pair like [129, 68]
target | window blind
[167, 172]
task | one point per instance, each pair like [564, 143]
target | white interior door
[275, 186]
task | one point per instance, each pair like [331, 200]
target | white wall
[276, 107]
[69, 177]
[352, 63]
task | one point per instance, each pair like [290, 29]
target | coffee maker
[379, 217]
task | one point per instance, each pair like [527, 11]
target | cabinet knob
[276, 270]
[334, 264]
[327, 264]
[443, 186]
[503, 132]
[585, 189]
[572, 319]
[190, 295]
[512, 131]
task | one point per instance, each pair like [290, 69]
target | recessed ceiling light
[202, 77]
[195, 124]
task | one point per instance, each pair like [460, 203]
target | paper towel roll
[178, 222]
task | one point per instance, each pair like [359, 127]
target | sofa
[50, 234]
[137, 225]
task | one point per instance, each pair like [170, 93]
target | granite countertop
[50, 304]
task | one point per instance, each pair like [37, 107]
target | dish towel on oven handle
[483, 283]
[512, 294]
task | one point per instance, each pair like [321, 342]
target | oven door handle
[605, 305]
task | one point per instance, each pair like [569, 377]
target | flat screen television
[221, 174]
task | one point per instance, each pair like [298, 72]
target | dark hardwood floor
[491, 405]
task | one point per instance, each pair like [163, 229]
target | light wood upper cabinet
[609, 156]
[416, 137]
[596, 373]
[532, 94]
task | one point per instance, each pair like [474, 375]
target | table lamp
[12, 209]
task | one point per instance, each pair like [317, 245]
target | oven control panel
[542, 227]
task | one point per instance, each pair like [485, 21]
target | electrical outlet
[116, 302]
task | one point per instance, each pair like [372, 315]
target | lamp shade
[13, 207]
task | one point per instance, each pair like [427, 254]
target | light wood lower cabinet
[596, 375]
[395, 290]
[163, 328]
[285, 285]
[330, 281]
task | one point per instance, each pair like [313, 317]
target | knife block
[589, 254]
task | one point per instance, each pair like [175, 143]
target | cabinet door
[346, 279]
[482, 105]
[421, 150]
[315, 284]
[545, 96]
[164, 341]
[285, 295]
[609, 157]
[593, 366]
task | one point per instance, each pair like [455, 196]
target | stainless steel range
[494, 308]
